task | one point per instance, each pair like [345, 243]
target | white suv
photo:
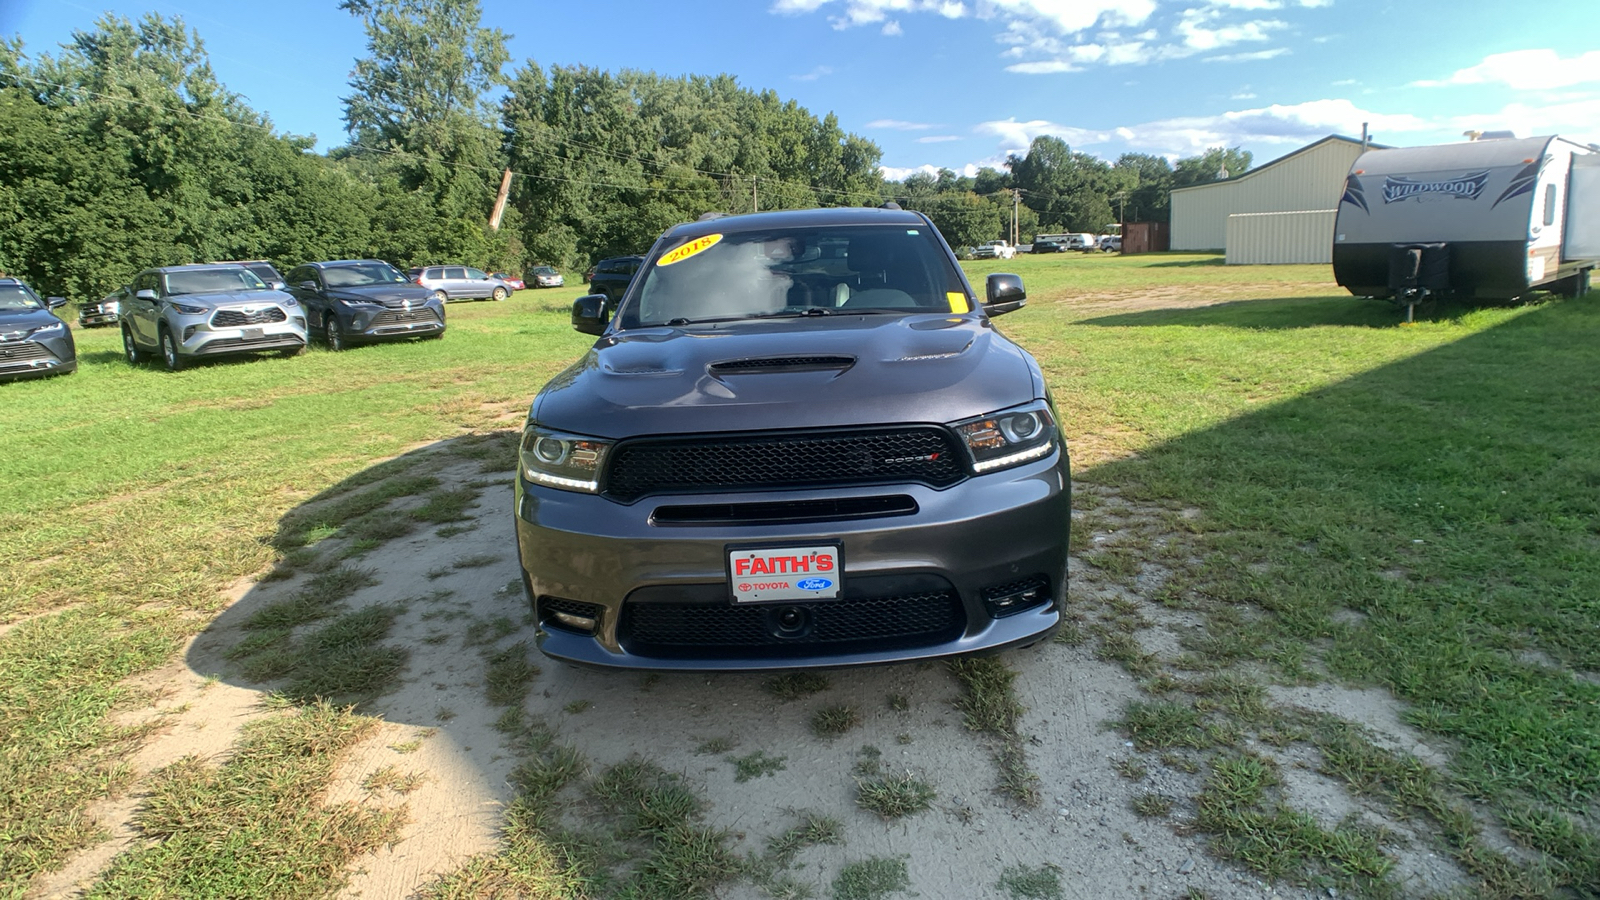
[184, 312]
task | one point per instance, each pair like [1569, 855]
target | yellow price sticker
[958, 302]
[698, 245]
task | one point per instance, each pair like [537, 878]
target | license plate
[252, 334]
[769, 574]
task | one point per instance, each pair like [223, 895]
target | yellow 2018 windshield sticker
[958, 302]
[697, 245]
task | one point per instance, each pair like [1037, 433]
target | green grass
[249, 827]
[1442, 481]
[895, 796]
[872, 879]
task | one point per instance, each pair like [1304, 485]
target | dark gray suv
[801, 442]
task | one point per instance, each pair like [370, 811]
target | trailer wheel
[1573, 286]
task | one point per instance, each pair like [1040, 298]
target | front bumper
[27, 358]
[964, 542]
[394, 324]
[91, 317]
[200, 338]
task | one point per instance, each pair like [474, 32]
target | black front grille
[665, 622]
[22, 354]
[785, 511]
[268, 341]
[233, 318]
[791, 460]
[403, 317]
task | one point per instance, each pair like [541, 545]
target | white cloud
[1015, 137]
[1198, 34]
[899, 125]
[1527, 70]
[938, 138]
[1253, 56]
[892, 28]
[1344, 82]
[1044, 67]
[1065, 16]
[814, 74]
[1243, 95]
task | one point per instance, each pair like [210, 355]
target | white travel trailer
[1485, 219]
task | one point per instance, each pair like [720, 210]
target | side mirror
[276, 285]
[147, 294]
[589, 314]
[308, 285]
[1004, 293]
[55, 302]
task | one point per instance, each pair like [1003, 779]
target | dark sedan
[32, 340]
[351, 301]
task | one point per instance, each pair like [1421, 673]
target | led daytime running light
[1015, 458]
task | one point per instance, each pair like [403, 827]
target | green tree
[1067, 190]
[419, 108]
[1211, 166]
[1149, 197]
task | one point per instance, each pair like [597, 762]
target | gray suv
[800, 442]
[186, 312]
[462, 283]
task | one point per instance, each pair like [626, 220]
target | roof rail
[708, 216]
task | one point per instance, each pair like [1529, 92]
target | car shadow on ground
[460, 657]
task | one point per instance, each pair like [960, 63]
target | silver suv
[462, 283]
[185, 312]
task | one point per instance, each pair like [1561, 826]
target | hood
[789, 373]
[222, 298]
[393, 295]
[14, 323]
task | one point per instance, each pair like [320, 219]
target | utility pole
[755, 201]
[1016, 203]
[500, 201]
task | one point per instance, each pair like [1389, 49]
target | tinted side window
[476, 274]
[304, 273]
[1549, 204]
[455, 272]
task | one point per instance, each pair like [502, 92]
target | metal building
[1302, 236]
[1311, 178]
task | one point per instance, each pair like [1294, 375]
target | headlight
[187, 309]
[1010, 437]
[110, 307]
[45, 330]
[555, 459]
[290, 302]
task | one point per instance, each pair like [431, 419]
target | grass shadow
[1431, 526]
[1287, 313]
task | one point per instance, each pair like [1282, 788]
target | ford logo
[814, 584]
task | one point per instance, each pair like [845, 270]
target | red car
[514, 283]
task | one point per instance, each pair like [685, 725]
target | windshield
[799, 272]
[202, 281]
[15, 297]
[363, 273]
[543, 270]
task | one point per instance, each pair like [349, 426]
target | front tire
[499, 293]
[335, 333]
[130, 349]
[169, 351]
[441, 296]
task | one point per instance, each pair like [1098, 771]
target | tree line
[124, 150]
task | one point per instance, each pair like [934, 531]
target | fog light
[1014, 597]
[571, 615]
[582, 623]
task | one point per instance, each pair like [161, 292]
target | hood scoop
[781, 364]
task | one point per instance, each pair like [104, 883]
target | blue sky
[961, 83]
